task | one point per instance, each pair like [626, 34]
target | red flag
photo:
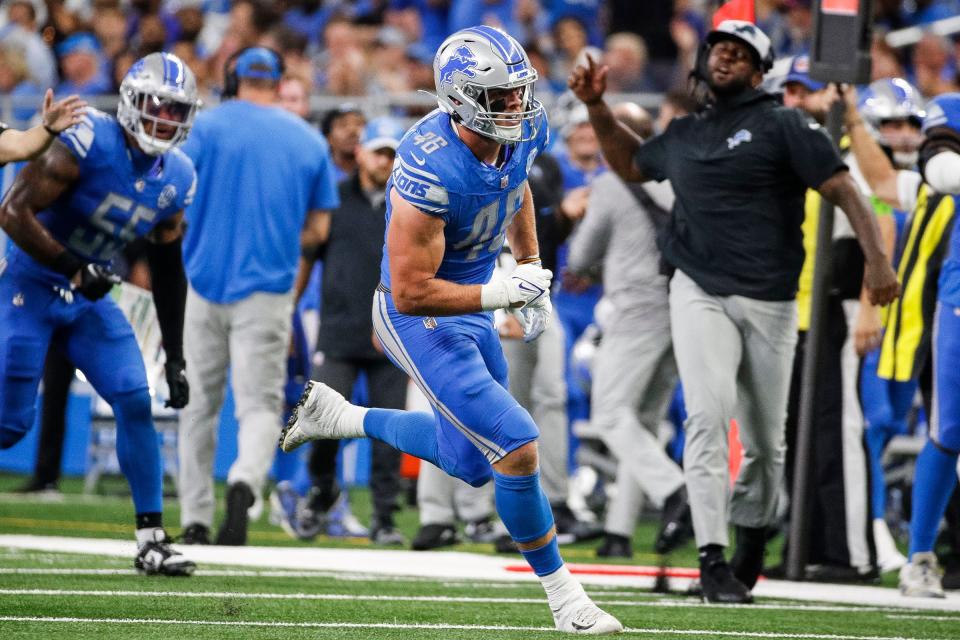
[736, 10]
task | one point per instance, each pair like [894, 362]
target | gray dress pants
[735, 357]
[250, 340]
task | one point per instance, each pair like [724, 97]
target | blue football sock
[413, 432]
[933, 483]
[138, 450]
[525, 511]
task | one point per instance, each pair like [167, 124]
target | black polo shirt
[351, 272]
[739, 171]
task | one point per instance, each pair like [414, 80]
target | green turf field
[63, 595]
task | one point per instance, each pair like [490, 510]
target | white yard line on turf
[458, 566]
[441, 627]
[130, 593]
[915, 617]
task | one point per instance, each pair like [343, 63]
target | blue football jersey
[110, 204]
[436, 172]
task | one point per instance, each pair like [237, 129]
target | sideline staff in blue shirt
[265, 176]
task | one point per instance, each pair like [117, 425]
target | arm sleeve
[812, 154]
[651, 157]
[169, 294]
[589, 242]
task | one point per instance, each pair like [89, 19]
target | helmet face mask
[476, 71]
[158, 101]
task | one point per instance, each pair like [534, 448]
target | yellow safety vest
[906, 343]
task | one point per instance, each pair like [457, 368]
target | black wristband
[50, 131]
[67, 263]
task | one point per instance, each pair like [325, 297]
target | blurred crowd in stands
[371, 47]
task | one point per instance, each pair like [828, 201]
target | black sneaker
[157, 557]
[676, 525]
[435, 536]
[233, 531]
[570, 529]
[718, 585]
[615, 546]
[195, 533]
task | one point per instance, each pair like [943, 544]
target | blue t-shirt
[260, 171]
[111, 203]
[437, 173]
[949, 283]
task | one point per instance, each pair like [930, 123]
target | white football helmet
[894, 99]
[159, 90]
[472, 62]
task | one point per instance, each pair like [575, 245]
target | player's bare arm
[416, 245]
[37, 186]
[879, 278]
[618, 142]
[522, 232]
[313, 237]
[56, 117]
[876, 167]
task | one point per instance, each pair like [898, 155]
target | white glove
[534, 317]
[528, 284]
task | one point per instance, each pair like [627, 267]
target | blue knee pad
[138, 450]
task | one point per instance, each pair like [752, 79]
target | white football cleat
[321, 414]
[920, 578]
[582, 616]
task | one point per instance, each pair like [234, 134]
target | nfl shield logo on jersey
[504, 181]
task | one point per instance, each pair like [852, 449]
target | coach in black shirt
[351, 271]
[739, 169]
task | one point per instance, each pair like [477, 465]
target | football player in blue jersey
[101, 184]
[458, 191]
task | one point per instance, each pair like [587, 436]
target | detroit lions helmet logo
[461, 60]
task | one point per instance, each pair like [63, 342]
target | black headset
[231, 83]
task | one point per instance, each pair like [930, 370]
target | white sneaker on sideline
[889, 557]
[920, 578]
[582, 616]
[321, 414]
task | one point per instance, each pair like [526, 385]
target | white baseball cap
[747, 33]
